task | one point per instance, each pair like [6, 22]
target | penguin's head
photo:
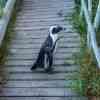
[56, 29]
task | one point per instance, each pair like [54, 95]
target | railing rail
[5, 18]
[91, 28]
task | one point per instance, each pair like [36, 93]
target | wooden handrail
[97, 18]
[5, 18]
[91, 33]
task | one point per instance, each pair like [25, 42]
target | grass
[6, 43]
[94, 8]
[88, 77]
[9, 34]
[2, 5]
[98, 37]
[7, 39]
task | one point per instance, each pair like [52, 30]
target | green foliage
[79, 86]
[88, 77]
[78, 23]
[98, 37]
[1, 12]
[2, 4]
[94, 7]
[78, 3]
[7, 39]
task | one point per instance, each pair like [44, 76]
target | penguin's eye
[56, 30]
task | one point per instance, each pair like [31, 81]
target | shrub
[88, 77]
[88, 82]
[2, 5]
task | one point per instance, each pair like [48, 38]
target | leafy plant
[6, 42]
[79, 24]
[2, 5]
[94, 7]
[9, 33]
[1, 12]
[88, 77]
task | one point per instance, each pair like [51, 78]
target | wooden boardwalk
[31, 29]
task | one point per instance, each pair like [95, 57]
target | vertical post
[81, 10]
[88, 39]
[90, 8]
[89, 4]
[1, 4]
[97, 18]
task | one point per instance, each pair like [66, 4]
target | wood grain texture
[30, 31]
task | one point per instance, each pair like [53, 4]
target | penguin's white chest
[54, 38]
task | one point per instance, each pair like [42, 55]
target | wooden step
[26, 69]
[45, 98]
[30, 62]
[31, 29]
[40, 76]
[37, 92]
[28, 51]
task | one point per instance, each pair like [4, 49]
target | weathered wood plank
[60, 50]
[39, 23]
[38, 84]
[44, 98]
[29, 25]
[62, 42]
[42, 35]
[23, 69]
[45, 5]
[5, 18]
[30, 31]
[54, 1]
[30, 62]
[39, 17]
[39, 28]
[69, 30]
[37, 92]
[46, 10]
[32, 55]
[31, 46]
[29, 53]
[39, 8]
[42, 14]
[40, 76]
[22, 36]
[41, 20]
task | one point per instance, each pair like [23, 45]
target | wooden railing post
[97, 18]
[81, 10]
[90, 8]
[89, 4]
[91, 34]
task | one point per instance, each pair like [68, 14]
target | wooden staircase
[31, 29]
